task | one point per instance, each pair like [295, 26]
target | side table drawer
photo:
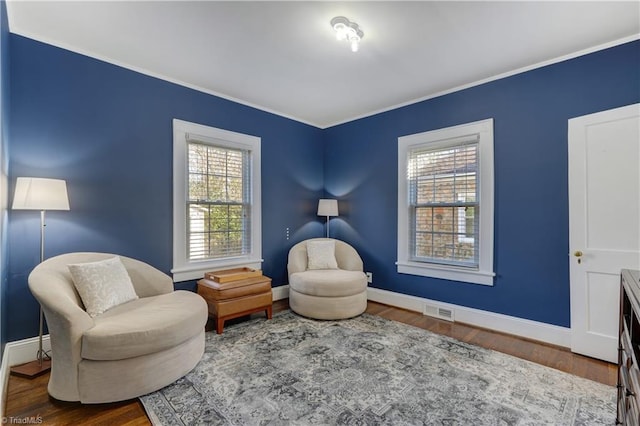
[228, 307]
[211, 290]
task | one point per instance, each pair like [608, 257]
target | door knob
[578, 254]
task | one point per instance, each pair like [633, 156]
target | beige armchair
[131, 349]
[332, 293]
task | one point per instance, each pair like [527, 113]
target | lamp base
[31, 369]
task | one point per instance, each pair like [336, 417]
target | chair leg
[219, 325]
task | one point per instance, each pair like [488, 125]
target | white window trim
[441, 137]
[183, 269]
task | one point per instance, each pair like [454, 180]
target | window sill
[446, 272]
[196, 270]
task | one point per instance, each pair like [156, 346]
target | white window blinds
[444, 202]
[218, 202]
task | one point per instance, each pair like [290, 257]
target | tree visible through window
[217, 207]
[218, 202]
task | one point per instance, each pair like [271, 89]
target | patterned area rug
[369, 371]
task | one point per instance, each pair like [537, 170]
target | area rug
[369, 371]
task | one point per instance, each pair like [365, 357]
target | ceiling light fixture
[347, 30]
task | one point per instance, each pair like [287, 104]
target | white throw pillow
[102, 285]
[321, 255]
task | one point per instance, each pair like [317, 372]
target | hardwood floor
[552, 356]
[28, 398]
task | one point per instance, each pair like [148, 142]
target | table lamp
[327, 208]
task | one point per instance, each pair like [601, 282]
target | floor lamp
[328, 208]
[39, 194]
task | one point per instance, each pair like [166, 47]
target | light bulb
[354, 40]
[347, 30]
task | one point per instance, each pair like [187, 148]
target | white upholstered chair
[132, 349]
[331, 293]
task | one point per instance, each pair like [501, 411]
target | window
[440, 232]
[216, 200]
[445, 203]
[219, 201]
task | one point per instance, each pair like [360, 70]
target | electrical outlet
[369, 277]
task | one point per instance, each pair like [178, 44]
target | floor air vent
[438, 312]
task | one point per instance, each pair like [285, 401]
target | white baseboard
[16, 353]
[534, 330]
[280, 292]
[25, 350]
[4, 381]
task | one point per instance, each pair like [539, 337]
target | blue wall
[108, 132]
[4, 131]
[530, 112]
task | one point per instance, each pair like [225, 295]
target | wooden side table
[238, 298]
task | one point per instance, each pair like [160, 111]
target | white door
[604, 223]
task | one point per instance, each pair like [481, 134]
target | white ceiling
[283, 56]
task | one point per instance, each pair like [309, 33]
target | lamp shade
[40, 194]
[327, 207]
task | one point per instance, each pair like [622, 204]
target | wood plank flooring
[28, 398]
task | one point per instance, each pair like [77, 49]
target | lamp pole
[40, 355]
[328, 221]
